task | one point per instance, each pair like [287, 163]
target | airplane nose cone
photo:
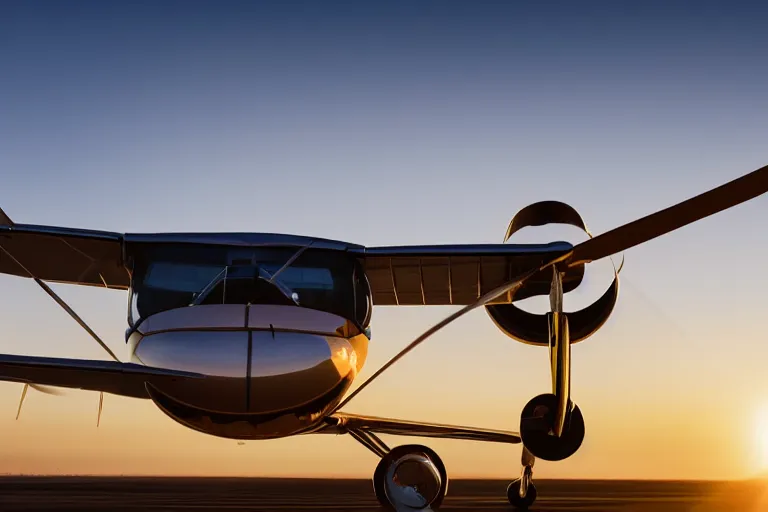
[290, 369]
[253, 372]
[219, 355]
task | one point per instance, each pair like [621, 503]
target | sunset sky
[404, 123]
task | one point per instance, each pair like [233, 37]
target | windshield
[174, 276]
[262, 284]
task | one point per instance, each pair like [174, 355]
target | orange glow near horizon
[654, 419]
[58, 435]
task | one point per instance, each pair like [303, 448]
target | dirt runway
[257, 495]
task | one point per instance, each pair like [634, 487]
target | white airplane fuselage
[270, 370]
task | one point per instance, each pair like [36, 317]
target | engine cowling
[533, 328]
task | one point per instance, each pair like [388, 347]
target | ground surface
[255, 495]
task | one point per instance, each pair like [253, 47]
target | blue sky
[398, 123]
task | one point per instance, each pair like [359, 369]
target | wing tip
[5, 220]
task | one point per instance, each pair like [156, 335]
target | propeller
[43, 389]
[53, 391]
[611, 242]
[48, 390]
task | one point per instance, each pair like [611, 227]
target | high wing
[459, 274]
[65, 255]
[125, 379]
[409, 275]
[340, 423]
[405, 275]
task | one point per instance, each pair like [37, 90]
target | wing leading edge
[341, 423]
[125, 379]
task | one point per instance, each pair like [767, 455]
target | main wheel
[536, 423]
[410, 477]
[513, 495]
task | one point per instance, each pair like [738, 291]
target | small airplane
[253, 336]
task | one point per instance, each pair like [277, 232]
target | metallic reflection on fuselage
[262, 381]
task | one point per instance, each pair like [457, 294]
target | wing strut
[496, 292]
[370, 441]
[63, 305]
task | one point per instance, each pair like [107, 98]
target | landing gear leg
[551, 426]
[370, 441]
[521, 493]
[377, 446]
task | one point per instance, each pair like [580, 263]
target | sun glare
[762, 436]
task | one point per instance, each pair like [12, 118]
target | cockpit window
[180, 277]
[174, 276]
[314, 278]
[244, 285]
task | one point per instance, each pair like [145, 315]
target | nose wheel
[521, 493]
[521, 496]
[412, 478]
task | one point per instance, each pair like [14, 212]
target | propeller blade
[664, 221]
[21, 401]
[101, 405]
[43, 389]
[488, 297]
[48, 390]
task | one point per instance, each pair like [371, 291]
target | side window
[180, 277]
